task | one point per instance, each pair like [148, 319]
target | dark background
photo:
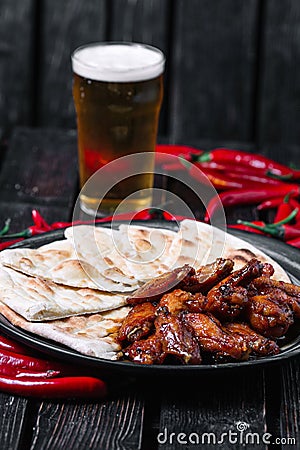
[232, 65]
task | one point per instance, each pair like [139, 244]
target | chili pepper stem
[6, 227]
[24, 233]
[289, 218]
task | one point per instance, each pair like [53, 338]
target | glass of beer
[117, 90]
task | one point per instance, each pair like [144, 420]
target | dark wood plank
[140, 21]
[40, 167]
[12, 418]
[16, 61]
[111, 425]
[213, 69]
[147, 22]
[279, 112]
[213, 405]
[290, 404]
[64, 26]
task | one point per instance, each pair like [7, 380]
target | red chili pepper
[230, 168]
[253, 179]
[249, 197]
[173, 167]
[28, 374]
[249, 159]
[283, 210]
[243, 227]
[295, 204]
[14, 347]
[280, 230]
[39, 221]
[163, 153]
[75, 387]
[218, 180]
[19, 361]
[269, 204]
[294, 242]
[4, 245]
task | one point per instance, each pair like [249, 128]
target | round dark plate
[287, 256]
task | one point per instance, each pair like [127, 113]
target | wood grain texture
[16, 56]
[214, 405]
[279, 102]
[40, 167]
[290, 403]
[147, 22]
[64, 26]
[111, 425]
[12, 419]
[213, 68]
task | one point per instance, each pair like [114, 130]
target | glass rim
[96, 72]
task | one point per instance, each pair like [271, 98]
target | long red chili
[283, 210]
[218, 180]
[269, 204]
[249, 159]
[163, 153]
[249, 197]
[67, 387]
[19, 361]
[281, 230]
[294, 242]
[14, 347]
[21, 373]
[240, 226]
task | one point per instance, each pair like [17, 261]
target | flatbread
[225, 245]
[58, 262]
[92, 335]
[37, 300]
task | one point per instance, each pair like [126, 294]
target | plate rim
[60, 351]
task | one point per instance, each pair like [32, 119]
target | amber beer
[117, 90]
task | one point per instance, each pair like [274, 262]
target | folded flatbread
[36, 299]
[93, 335]
[59, 262]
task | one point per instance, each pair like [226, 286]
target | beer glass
[117, 90]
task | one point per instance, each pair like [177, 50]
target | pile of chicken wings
[212, 314]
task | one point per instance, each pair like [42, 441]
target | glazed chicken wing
[176, 339]
[290, 292]
[213, 339]
[154, 289]
[269, 315]
[138, 322]
[146, 351]
[228, 298]
[178, 300]
[185, 278]
[207, 276]
[258, 345]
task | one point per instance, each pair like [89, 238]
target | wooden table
[39, 170]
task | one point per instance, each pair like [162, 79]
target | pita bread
[37, 300]
[99, 247]
[93, 335]
[219, 244]
[59, 263]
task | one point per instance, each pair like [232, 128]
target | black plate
[287, 256]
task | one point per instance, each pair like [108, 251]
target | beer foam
[118, 62]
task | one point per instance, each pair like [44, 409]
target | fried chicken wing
[176, 301]
[146, 351]
[213, 339]
[290, 292]
[227, 299]
[138, 323]
[258, 345]
[154, 289]
[207, 276]
[176, 339]
[185, 278]
[269, 315]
